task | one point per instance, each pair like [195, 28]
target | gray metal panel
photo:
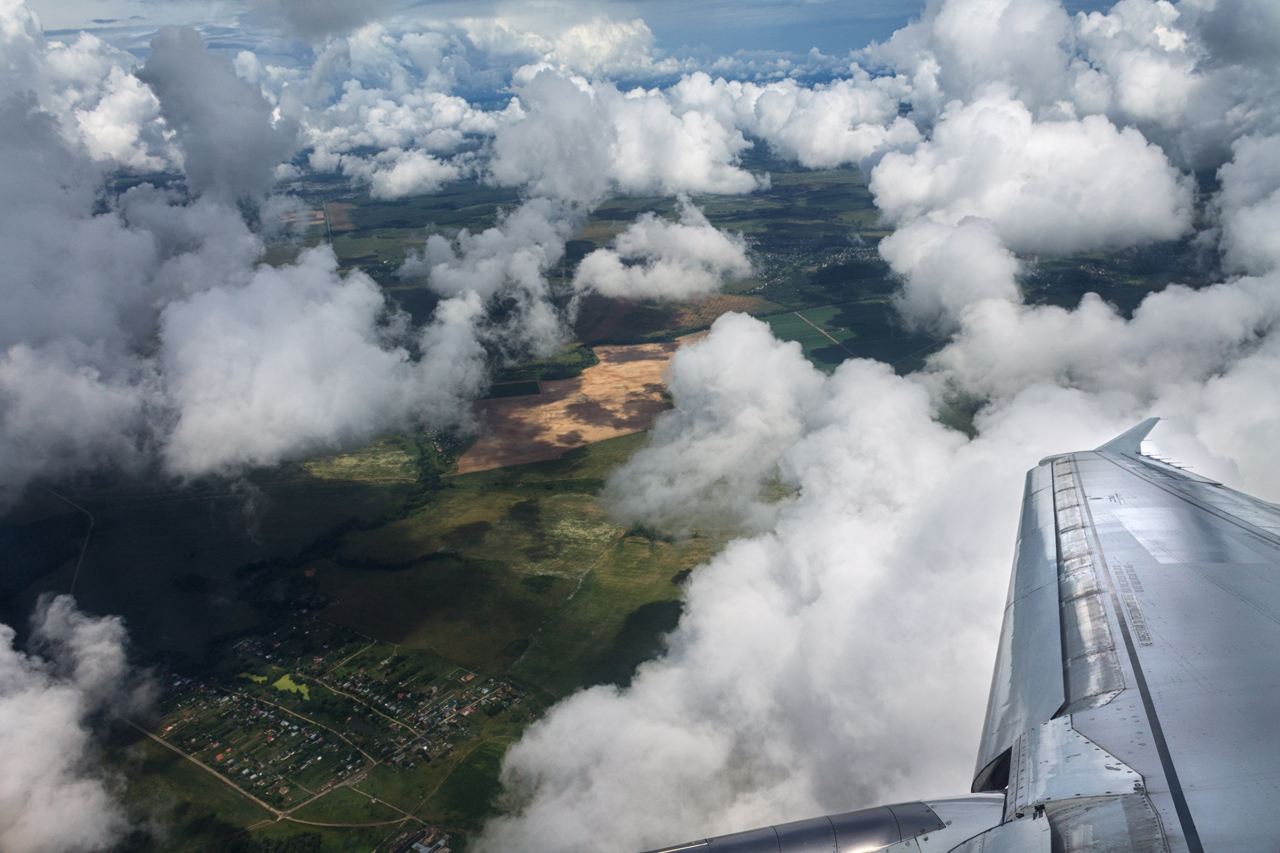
[915, 819]
[1106, 825]
[807, 836]
[964, 818]
[1192, 595]
[752, 841]
[1055, 762]
[1027, 687]
[1093, 675]
[1029, 835]
[1130, 441]
[865, 829]
[848, 832]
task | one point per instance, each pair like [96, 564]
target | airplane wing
[1135, 706]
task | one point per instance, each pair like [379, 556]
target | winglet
[1131, 440]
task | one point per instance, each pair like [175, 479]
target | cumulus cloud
[1249, 205]
[821, 127]
[657, 259]
[1175, 336]
[298, 358]
[991, 181]
[53, 795]
[605, 46]
[524, 243]
[960, 47]
[137, 332]
[407, 119]
[508, 264]
[1051, 186]
[87, 89]
[225, 129]
[396, 173]
[582, 140]
[66, 408]
[782, 693]
[707, 461]
[947, 268]
[1191, 76]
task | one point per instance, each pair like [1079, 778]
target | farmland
[619, 395]
[346, 645]
[360, 676]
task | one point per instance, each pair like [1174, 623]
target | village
[316, 708]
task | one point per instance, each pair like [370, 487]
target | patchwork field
[620, 395]
[363, 636]
[829, 334]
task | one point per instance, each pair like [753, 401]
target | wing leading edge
[1134, 703]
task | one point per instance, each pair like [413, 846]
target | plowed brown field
[620, 395]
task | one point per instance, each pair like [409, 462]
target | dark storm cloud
[229, 141]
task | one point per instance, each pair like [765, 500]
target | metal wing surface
[1135, 706]
[1143, 623]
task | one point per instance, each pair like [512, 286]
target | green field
[373, 632]
[286, 683]
[822, 345]
[859, 330]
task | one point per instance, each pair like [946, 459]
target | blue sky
[712, 26]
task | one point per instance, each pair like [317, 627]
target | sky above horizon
[700, 27]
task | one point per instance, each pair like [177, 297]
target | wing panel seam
[1189, 832]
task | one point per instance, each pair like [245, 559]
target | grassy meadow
[375, 562]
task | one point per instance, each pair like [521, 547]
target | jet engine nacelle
[933, 826]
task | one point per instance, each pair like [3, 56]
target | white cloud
[656, 259]
[948, 268]
[1249, 205]
[297, 360]
[65, 408]
[821, 127]
[605, 47]
[581, 141]
[1049, 186]
[958, 48]
[53, 796]
[137, 329]
[396, 173]
[837, 660]
[507, 262]
[991, 181]
[706, 461]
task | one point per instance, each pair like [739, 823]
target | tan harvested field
[620, 395]
[339, 219]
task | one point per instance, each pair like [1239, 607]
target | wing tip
[1129, 441]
